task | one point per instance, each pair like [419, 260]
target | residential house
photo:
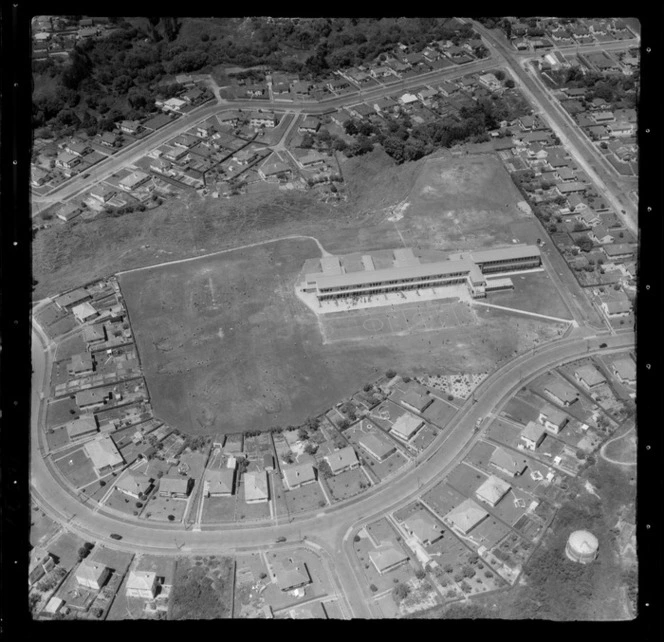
[130, 126]
[447, 88]
[619, 251]
[387, 557]
[601, 235]
[340, 118]
[625, 370]
[381, 71]
[175, 486]
[417, 401]
[230, 118]
[94, 334]
[342, 460]
[492, 490]
[532, 435]
[134, 180]
[508, 463]
[490, 81]
[599, 132]
[205, 130]
[298, 475]
[290, 576]
[427, 95]
[104, 454]
[422, 525]
[380, 448]
[407, 99]
[562, 393]
[386, 105]
[81, 427]
[142, 585]
[84, 312]
[102, 192]
[466, 516]
[134, 484]
[552, 419]
[589, 377]
[617, 307]
[255, 91]
[77, 148]
[255, 487]
[37, 176]
[274, 169]
[311, 124]
[174, 104]
[406, 426]
[588, 217]
[67, 160]
[92, 575]
[263, 119]
[185, 141]
[220, 483]
[193, 95]
[80, 364]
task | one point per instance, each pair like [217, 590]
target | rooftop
[299, 474]
[493, 490]
[103, 452]
[423, 526]
[342, 459]
[466, 515]
[255, 486]
[407, 425]
[590, 375]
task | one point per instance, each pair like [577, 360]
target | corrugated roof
[392, 274]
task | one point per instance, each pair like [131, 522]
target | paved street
[327, 528]
[581, 149]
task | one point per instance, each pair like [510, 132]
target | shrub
[139, 505]
[356, 538]
[390, 374]
[171, 518]
[373, 588]
[400, 591]
[420, 574]
[367, 387]
[450, 397]
[102, 483]
[406, 379]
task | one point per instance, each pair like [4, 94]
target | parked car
[116, 536]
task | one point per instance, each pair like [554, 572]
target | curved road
[331, 528]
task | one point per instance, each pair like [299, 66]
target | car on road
[281, 539]
[603, 345]
[85, 175]
[115, 536]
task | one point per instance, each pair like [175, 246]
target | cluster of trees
[404, 141]
[119, 76]
[614, 88]
[195, 596]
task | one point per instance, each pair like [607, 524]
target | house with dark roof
[508, 463]
[342, 460]
[134, 484]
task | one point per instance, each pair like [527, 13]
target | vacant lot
[347, 484]
[160, 508]
[463, 202]
[60, 412]
[202, 588]
[218, 509]
[307, 497]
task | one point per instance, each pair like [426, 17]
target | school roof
[500, 254]
[299, 474]
[504, 460]
[423, 526]
[390, 274]
[493, 490]
[255, 485]
[407, 425]
[103, 452]
[590, 375]
[81, 426]
[342, 459]
[466, 515]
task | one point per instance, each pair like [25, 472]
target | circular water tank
[582, 546]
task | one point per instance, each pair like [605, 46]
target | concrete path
[324, 252]
[532, 314]
[617, 461]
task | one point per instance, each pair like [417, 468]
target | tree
[307, 141]
[509, 83]
[390, 374]
[367, 387]
[420, 574]
[171, 518]
[500, 74]
[400, 591]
